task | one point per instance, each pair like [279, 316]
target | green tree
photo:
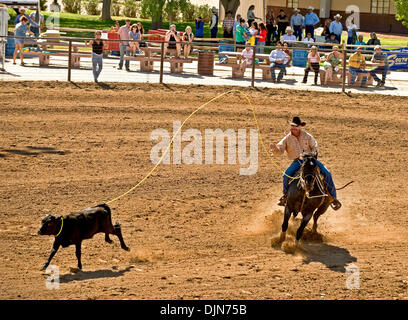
[154, 9]
[402, 11]
[174, 7]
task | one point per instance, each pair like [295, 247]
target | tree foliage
[402, 11]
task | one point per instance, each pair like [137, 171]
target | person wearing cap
[228, 25]
[278, 60]
[336, 27]
[357, 65]
[332, 39]
[214, 22]
[380, 58]
[289, 36]
[311, 21]
[296, 23]
[313, 60]
[124, 44]
[199, 23]
[296, 142]
[22, 12]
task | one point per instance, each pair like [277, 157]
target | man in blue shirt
[296, 22]
[22, 12]
[311, 20]
[336, 27]
[278, 60]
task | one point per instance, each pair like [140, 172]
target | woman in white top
[352, 33]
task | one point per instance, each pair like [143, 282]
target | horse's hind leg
[322, 209]
[285, 223]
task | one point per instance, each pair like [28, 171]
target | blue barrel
[10, 46]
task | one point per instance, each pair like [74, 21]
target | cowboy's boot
[335, 204]
[282, 200]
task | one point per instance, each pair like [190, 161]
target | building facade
[373, 15]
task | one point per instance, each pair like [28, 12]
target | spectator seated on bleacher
[332, 64]
[360, 41]
[278, 60]
[247, 56]
[380, 58]
[374, 41]
[332, 39]
[174, 41]
[289, 36]
[357, 65]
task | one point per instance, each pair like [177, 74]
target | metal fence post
[161, 62]
[253, 67]
[69, 59]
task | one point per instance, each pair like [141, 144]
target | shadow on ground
[32, 151]
[333, 257]
[97, 274]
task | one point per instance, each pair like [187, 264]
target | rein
[319, 185]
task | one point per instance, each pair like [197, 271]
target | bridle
[302, 183]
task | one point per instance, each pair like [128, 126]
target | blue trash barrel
[10, 46]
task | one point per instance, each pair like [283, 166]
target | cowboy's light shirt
[294, 146]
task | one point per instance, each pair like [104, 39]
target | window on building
[292, 4]
[380, 6]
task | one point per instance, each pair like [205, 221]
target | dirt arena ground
[197, 231]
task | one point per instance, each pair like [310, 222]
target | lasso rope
[194, 112]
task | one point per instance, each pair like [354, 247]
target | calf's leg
[118, 233]
[54, 250]
[78, 254]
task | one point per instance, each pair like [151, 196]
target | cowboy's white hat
[338, 16]
[296, 10]
[289, 29]
[310, 8]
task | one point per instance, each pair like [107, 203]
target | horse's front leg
[285, 223]
[304, 223]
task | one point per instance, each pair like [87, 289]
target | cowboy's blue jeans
[295, 166]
